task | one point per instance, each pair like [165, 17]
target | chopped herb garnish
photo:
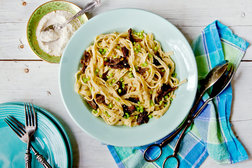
[166, 97]
[136, 67]
[123, 85]
[139, 102]
[103, 51]
[174, 74]
[163, 70]
[85, 79]
[171, 99]
[110, 105]
[126, 115]
[141, 109]
[151, 92]
[130, 69]
[100, 75]
[161, 102]
[107, 114]
[96, 70]
[131, 75]
[149, 55]
[117, 99]
[144, 64]
[121, 79]
[139, 47]
[94, 111]
[155, 48]
[105, 59]
[151, 103]
[150, 116]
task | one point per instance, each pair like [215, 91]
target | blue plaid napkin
[211, 133]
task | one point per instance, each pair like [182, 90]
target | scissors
[221, 77]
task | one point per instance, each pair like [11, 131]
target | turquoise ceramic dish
[51, 139]
[171, 39]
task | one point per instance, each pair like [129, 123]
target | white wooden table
[25, 77]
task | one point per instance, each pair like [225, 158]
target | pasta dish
[126, 78]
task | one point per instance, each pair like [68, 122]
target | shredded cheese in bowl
[53, 42]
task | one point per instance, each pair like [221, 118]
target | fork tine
[31, 114]
[20, 124]
[17, 124]
[13, 128]
[26, 115]
[35, 116]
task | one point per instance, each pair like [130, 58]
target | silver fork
[19, 129]
[30, 128]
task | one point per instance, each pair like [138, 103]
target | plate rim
[194, 67]
[56, 123]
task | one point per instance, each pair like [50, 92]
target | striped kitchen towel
[211, 133]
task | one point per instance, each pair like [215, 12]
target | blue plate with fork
[50, 139]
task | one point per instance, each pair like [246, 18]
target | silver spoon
[90, 6]
[212, 77]
[220, 83]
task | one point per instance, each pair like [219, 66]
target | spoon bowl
[218, 86]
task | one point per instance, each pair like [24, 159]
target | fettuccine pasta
[127, 78]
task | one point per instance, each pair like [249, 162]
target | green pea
[119, 90]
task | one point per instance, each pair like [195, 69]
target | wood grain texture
[190, 18]
[40, 86]
[24, 77]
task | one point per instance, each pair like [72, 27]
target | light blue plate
[50, 139]
[171, 39]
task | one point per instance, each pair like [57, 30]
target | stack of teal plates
[50, 139]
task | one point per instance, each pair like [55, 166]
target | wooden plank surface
[190, 18]
[37, 81]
